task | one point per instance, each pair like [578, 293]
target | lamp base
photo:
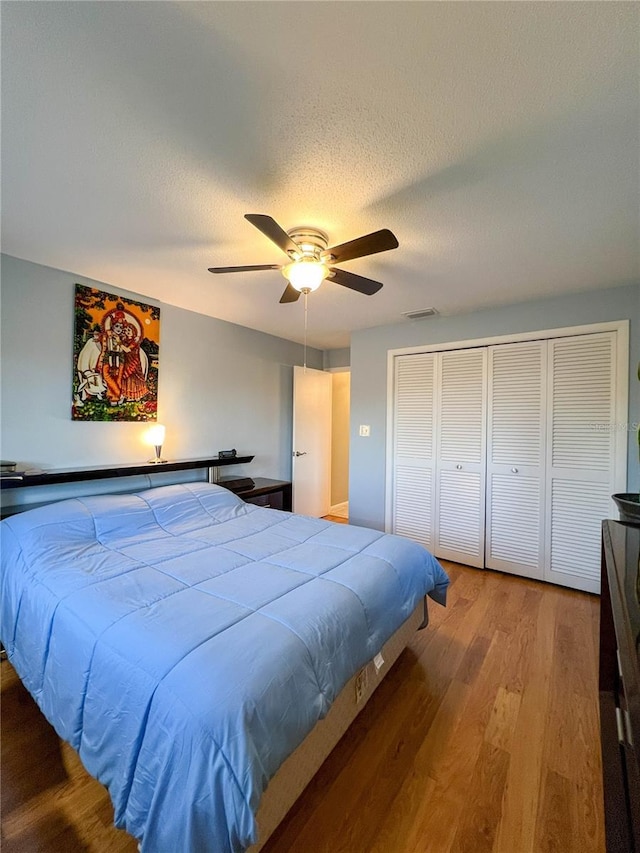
[157, 460]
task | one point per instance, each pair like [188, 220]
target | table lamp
[155, 436]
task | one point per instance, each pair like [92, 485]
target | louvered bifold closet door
[460, 455]
[413, 448]
[580, 456]
[516, 425]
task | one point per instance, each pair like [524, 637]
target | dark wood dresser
[620, 685]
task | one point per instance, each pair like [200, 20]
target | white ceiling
[498, 141]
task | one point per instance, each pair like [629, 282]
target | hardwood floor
[483, 738]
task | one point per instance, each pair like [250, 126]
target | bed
[199, 652]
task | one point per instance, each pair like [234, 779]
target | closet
[504, 456]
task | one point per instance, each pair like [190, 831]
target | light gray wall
[220, 385]
[334, 358]
[369, 374]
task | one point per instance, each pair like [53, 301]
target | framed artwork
[116, 345]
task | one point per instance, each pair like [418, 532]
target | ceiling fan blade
[244, 269]
[356, 282]
[378, 241]
[290, 294]
[272, 230]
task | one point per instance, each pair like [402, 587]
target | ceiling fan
[311, 262]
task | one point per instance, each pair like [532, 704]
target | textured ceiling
[498, 141]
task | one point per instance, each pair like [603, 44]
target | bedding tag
[378, 662]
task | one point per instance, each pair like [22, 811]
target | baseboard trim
[341, 510]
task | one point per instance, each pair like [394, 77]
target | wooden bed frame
[297, 771]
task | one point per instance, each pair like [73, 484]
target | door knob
[514, 470]
[297, 453]
[459, 467]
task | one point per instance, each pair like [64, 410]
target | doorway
[340, 399]
[320, 469]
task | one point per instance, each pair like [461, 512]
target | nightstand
[276, 494]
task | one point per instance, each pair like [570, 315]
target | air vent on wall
[418, 315]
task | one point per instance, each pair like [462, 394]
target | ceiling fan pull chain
[305, 332]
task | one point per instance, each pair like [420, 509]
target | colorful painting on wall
[116, 345]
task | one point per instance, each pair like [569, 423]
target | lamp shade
[155, 435]
[305, 274]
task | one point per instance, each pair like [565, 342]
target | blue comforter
[185, 643]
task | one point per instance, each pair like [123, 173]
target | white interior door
[518, 439]
[516, 432]
[580, 456]
[311, 474]
[460, 455]
[414, 448]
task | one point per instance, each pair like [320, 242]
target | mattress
[186, 643]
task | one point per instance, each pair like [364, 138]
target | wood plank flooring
[483, 738]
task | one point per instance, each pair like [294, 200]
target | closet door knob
[514, 470]
[459, 467]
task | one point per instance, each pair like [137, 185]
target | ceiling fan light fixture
[309, 261]
[305, 274]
